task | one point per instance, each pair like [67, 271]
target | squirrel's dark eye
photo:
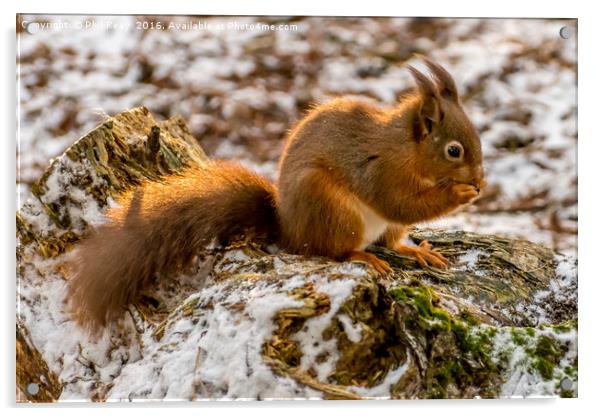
[454, 150]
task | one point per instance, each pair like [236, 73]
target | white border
[590, 205]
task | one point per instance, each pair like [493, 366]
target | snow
[79, 206]
[317, 352]
[382, 390]
[234, 370]
[353, 332]
[470, 258]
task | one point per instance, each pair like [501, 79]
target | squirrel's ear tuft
[429, 111]
[445, 82]
[424, 83]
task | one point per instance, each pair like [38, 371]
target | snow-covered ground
[240, 88]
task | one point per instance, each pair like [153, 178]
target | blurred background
[240, 84]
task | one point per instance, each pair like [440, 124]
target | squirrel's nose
[478, 179]
[479, 183]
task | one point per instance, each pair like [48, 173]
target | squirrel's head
[449, 148]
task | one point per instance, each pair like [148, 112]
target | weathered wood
[452, 332]
[35, 382]
[121, 152]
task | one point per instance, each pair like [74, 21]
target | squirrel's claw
[425, 244]
[379, 265]
[424, 255]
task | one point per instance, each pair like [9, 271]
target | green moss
[563, 327]
[446, 374]
[571, 372]
[461, 347]
[545, 368]
[469, 318]
[522, 337]
[423, 300]
[547, 356]
[567, 394]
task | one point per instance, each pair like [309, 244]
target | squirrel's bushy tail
[158, 228]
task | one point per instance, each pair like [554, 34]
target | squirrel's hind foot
[424, 254]
[381, 266]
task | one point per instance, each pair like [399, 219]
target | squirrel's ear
[445, 82]
[429, 111]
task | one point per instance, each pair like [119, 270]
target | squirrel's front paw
[463, 193]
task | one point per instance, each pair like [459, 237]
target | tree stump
[255, 322]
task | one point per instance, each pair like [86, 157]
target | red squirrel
[351, 174]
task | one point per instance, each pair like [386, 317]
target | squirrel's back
[327, 163]
[159, 227]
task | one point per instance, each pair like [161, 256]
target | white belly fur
[374, 224]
